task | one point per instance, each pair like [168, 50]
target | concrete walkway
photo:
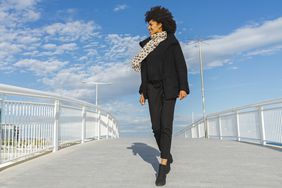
[133, 163]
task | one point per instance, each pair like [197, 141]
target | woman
[163, 79]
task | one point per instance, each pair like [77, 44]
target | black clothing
[163, 75]
[161, 113]
[154, 66]
[167, 63]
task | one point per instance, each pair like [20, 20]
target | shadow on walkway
[147, 153]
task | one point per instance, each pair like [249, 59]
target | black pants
[161, 112]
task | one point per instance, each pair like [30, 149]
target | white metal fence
[33, 121]
[257, 123]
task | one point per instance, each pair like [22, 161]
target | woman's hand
[182, 94]
[142, 99]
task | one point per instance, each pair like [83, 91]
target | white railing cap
[15, 90]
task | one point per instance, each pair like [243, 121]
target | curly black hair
[161, 15]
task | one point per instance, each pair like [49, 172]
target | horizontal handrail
[253, 105]
[15, 90]
[260, 121]
[30, 124]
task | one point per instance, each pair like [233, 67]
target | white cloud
[65, 80]
[71, 31]
[8, 49]
[22, 4]
[121, 46]
[40, 67]
[124, 81]
[120, 7]
[233, 68]
[49, 46]
[52, 40]
[265, 51]
[57, 49]
[17, 12]
[221, 49]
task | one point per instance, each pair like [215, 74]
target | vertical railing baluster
[45, 127]
[36, 128]
[25, 128]
[107, 136]
[192, 130]
[21, 129]
[29, 128]
[198, 130]
[99, 113]
[49, 126]
[32, 128]
[17, 129]
[207, 124]
[56, 125]
[83, 126]
[111, 128]
[12, 152]
[1, 126]
[237, 125]
[261, 122]
[9, 129]
[219, 127]
[40, 126]
[114, 125]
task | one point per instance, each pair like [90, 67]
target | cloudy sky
[54, 45]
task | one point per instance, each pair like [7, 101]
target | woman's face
[154, 27]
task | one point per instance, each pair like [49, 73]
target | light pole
[97, 83]
[98, 121]
[199, 42]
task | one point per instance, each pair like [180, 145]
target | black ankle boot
[161, 179]
[170, 159]
[167, 167]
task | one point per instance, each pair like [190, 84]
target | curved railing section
[33, 122]
[259, 123]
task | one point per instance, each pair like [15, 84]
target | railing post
[192, 130]
[207, 128]
[112, 128]
[98, 116]
[83, 125]
[262, 129]
[107, 136]
[238, 126]
[115, 130]
[56, 125]
[1, 118]
[109, 128]
[219, 127]
[198, 131]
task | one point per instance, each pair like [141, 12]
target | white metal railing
[257, 123]
[33, 122]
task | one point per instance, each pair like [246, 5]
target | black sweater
[153, 66]
[167, 63]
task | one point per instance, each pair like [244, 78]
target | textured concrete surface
[133, 162]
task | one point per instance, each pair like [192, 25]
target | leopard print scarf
[149, 47]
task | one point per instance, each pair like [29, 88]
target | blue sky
[54, 45]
